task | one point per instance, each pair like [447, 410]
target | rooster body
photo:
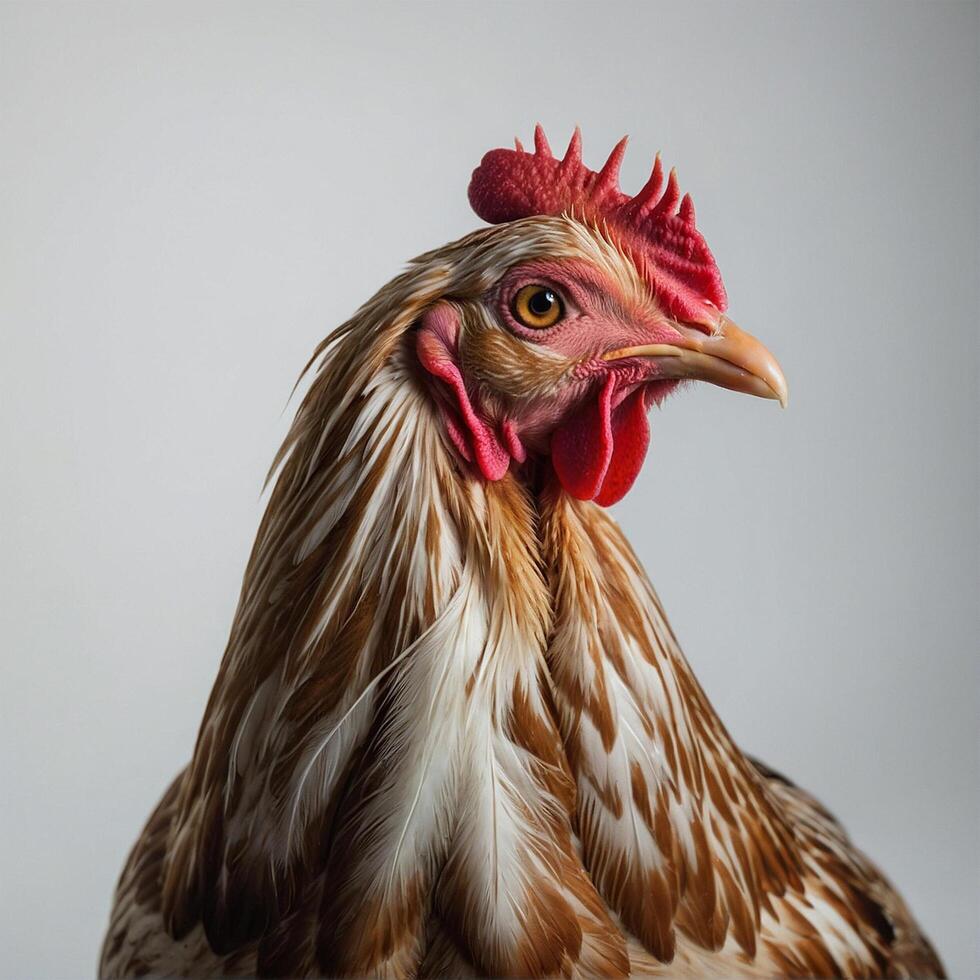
[452, 733]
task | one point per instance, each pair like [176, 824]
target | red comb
[656, 225]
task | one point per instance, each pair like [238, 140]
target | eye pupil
[541, 302]
[538, 307]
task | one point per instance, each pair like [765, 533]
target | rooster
[452, 733]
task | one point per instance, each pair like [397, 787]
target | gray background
[191, 197]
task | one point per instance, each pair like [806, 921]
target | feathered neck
[455, 702]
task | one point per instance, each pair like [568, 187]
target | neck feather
[455, 699]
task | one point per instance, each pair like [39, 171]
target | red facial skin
[593, 418]
[599, 317]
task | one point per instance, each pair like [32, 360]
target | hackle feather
[453, 734]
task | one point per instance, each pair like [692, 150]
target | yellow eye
[538, 307]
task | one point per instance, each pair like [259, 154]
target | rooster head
[582, 308]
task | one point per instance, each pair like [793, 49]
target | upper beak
[727, 356]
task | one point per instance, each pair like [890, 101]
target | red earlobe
[473, 437]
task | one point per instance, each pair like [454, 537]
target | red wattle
[582, 447]
[598, 452]
[631, 437]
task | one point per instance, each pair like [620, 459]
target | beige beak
[728, 357]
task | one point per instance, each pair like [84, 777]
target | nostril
[702, 328]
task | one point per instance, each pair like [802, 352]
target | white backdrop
[192, 196]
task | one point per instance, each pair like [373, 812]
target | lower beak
[728, 357]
